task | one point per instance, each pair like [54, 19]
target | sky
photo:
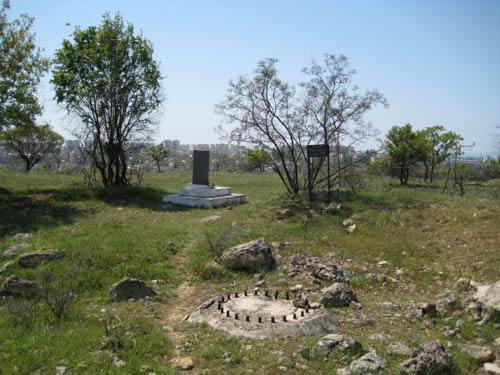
[436, 61]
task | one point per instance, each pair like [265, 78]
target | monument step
[191, 201]
[205, 191]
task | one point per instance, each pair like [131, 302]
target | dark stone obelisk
[201, 166]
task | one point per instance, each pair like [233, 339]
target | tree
[21, 67]
[258, 159]
[32, 142]
[270, 114]
[401, 147]
[108, 78]
[158, 154]
[438, 145]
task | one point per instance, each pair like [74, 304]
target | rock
[430, 359]
[347, 223]
[379, 337]
[117, 362]
[316, 305]
[296, 288]
[128, 288]
[383, 263]
[210, 218]
[497, 342]
[462, 284]
[481, 354]
[360, 320]
[350, 228]
[23, 235]
[333, 209]
[260, 282]
[397, 348]
[286, 212]
[301, 302]
[60, 370]
[251, 256]
[280, 245]
[389, 305]
[182, 363]
[427, 309]
[6, 265]
[371, 277]
[487, 299]
[338, 295]
[317, 268]
[491, 368]
[15, 249]
[370, 363]
[447, 303]
[356, 305]
[337, 342]
[34, 259]
[14, 286]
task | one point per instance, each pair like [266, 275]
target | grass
[435, 238]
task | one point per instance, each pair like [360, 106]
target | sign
[317, 151]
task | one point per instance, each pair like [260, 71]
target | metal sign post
[318, 151]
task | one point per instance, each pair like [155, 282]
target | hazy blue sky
[437, 62]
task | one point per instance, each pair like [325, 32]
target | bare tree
[270, 114]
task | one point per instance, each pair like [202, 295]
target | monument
[200, 193]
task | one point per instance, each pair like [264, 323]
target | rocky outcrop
[15, 249]
[17, 287]
[338, 295]
[480, 354]
[485, 302]
[128, 288]
[370, 363]
[251, 256]
[324, 271]
[337, 342]
[34, 259]
[430, 359]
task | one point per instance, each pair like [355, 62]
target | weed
[114, 332]
[56, 294]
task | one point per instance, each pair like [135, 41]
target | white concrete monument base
[205, 196]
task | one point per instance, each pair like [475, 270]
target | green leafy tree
[436, 145]
[491, 169]
[401, 147]
[158, 154]
[21, 67]
[32, 142]
[108, 78]
[258, 159]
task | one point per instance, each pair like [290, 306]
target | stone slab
[201, 167]
[205, 202]
[205, 191]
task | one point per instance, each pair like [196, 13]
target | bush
[56, 294]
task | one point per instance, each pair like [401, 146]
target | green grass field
[435, 238]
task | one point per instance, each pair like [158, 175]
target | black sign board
[317, 151]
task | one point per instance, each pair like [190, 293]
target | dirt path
[184, 300]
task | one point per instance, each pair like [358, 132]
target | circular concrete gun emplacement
[262, 314]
